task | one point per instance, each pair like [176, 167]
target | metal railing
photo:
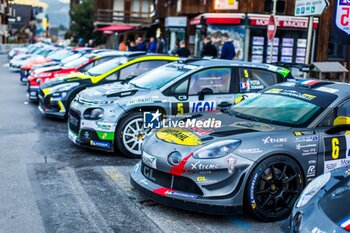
[104, 16]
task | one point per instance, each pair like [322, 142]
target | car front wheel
[273, 187]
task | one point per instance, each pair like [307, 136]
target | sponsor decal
[149, 160]
[139, 101]
[181, 108]
[249, 151]
[231, 162]
[291, 93]
[201, 179]
[252, 187]
[304, 133]
[327, 89]
[180, 194]
[73, 120]
[200, 166]
[252, 125]
[306, 139]
[344, 162]
[329, 166]
[307, 149]
[311, 171]
[335, 148]
[178, 136]
[347, 172]
[317, 230]
[270, 140]
[144, 181]
[312, 161]
[106, 145]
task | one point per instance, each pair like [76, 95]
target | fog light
[297, 222]
[174, 158]
[33, 93]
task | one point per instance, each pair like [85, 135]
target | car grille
[74, 121]
[164, 179]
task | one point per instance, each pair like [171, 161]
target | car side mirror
[337, 128]
[204, 92]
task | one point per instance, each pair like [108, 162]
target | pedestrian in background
[183, 51]
[132, 46]
[122, 46]
[228, 51]
[152, 48]
[141, 45]
[209, 50]
[160, 45]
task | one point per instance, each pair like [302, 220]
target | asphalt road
[50, 185]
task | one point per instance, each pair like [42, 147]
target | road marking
[91, 212]
[6, 65]
[237, 221]
[117, 177]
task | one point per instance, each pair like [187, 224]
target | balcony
[107, 17]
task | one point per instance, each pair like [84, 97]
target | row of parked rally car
[215, 136]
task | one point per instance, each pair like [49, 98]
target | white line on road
[94, 217]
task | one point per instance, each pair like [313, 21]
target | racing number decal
[335, 148]
[246, 74]
[180, 108]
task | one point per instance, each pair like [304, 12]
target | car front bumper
[52, 107]
[222, 205]
[33, 93]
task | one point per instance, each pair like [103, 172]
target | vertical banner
[341, 23]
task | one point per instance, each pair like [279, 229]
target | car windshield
[283, 107]
[106, 66]
[60, 55]
[75, 62]
[157, 78]
[70, 58]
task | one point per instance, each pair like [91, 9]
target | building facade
[244, 21]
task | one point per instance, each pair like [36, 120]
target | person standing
[122, 46]
[132, 46]
[160, 45]
[209, 50]
[152, 48]
[228, 51]
[183, 51]
[141, 45]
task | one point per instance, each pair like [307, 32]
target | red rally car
[83, 63]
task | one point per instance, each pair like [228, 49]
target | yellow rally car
[56, 94]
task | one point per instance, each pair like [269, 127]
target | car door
[205, 90]
[253, 80]
[335, 143]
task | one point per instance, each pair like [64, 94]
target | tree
[82, 22]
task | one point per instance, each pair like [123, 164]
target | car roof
[326, 86]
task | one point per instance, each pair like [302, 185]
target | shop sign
[281, 23]
[226, 5]
[176, 22]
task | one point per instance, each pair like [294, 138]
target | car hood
[76, 77]
[215, 126]
[47, 69]
[108, 92]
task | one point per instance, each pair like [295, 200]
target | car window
[216, 79]
[87, 66]
[342, 110]
[139, 68]
[254, 80]
[100, 61]
[112, 77]
[180, 88]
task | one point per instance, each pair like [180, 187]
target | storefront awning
[116, 28]
[282, 21]
[218, 18]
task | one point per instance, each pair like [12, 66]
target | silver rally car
[111, 116]
[265, 152]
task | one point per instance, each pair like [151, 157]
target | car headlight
[64, 87]
[313, 188]
[217, 149]
[93, 113]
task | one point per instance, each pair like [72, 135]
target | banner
[341, 23]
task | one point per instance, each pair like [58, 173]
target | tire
[126, 139]
[273, 187]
